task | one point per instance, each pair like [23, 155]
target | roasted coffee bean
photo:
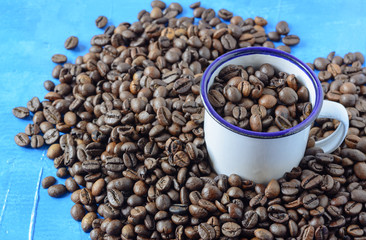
[57, 190]
[282, 28]
[71, 185]
[262, 233]
[101, 21]
[22, 139]
[206, 231]
[273, 189]
[208, 14]
[115, 198]
[20, 112]
[86, 222]
[310, 201]
[49, 85]
[250, 219]
[51, 136]
[51, 114]
[225, 14]
[77, 212]
[59, 58]
[32, 129]
[48, 181]
[311, 181]
[321, 63]
[71, 42]
[291, 40]
[360, 170]
[358, 195]
[164, 184]
[36, 141]
[231, 229]
[228, 42]
[197, 211]
[34, 104]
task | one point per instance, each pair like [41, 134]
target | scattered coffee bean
[57, 190]
[77, 212]
[282, 28]
[48, 181]
[20, 112]
[101, 21]
[71, 42]
[22, 139]
[36, 141]
[59, 58]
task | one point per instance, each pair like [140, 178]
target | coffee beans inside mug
[261, 100]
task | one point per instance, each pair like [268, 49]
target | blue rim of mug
[264, 51]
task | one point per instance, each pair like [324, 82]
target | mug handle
[337, 111]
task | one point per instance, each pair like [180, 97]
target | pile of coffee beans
[261, 100]
[124, 125]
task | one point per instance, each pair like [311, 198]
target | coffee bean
[49, 85]
[71, 42]
[278, 230]
[250, 219]
[77, 212]
[353, 154]
[86, 222]
[48, 182]
[34, 104]
[20, 112]
[197, 211]
[358, 195]
[225, 14]
[211, 193]
[353, 208]
[71, 185]
[228, 42]
[195, 5]
[284, 48]
[282, 28]
[206, 231]
[321, 63]
[59, 58]
[288, 96]
[273, 189]
[51, 114]
[310, 201]
[164, 184]
[231, 229]
[51, 136]
[115, 198]
[57, 190]
[101, 21]
[181, 159]
[291, 40]
[262, 233]
[311, 181]
[22, 139]
[36, 141]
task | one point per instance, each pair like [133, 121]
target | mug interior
[281, 61]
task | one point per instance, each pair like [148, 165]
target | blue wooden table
[32, 31]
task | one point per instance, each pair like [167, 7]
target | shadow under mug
[262, 156]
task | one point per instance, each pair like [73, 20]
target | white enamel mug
[262, 156]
